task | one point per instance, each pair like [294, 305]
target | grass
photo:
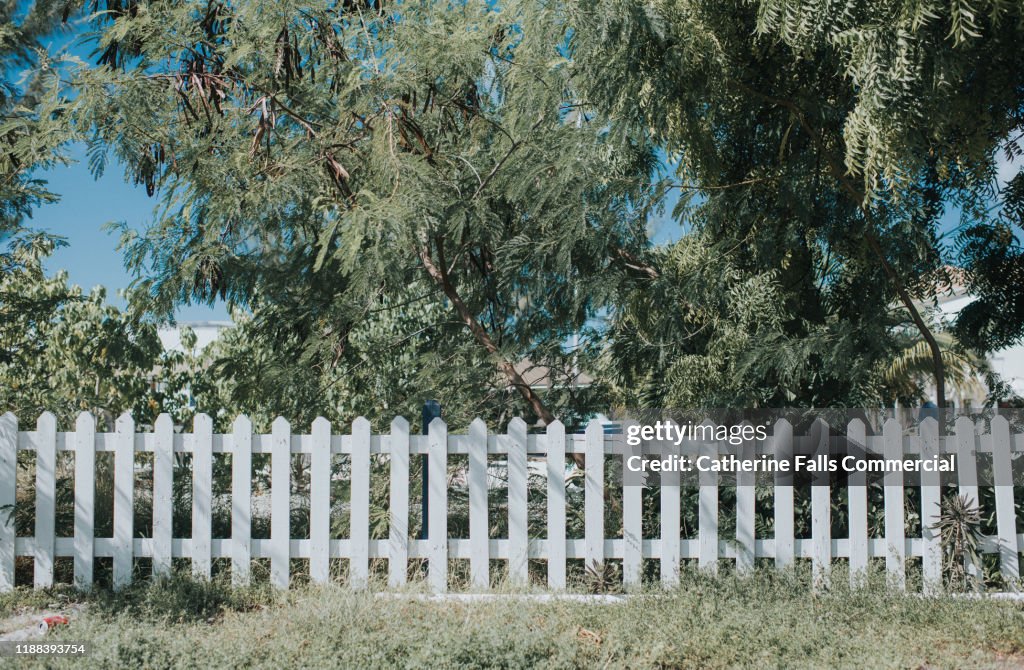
[765, 620]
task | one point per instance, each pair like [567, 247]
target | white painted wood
[858, 507]
[479, 557]
[967, 476]
[821, 514]
[707, 514]
[163, 492]
[320, 503]
[517, 503]
[241, 501]
[8, 497]
[670, 525]
[359, 562]
[1006, 520]
[46, 496]
[895, 530]
[398, 534]
[931, 561]
[85, 498]
[745, 512]
[632, 527]
[124, 500]
[437, 506]
[280, 503]
[782, 438]
[593, 491]
[202, 495]
[556, 505]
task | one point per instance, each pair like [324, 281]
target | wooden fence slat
[124, 500]
[895, 531]
[85, 498]
[202, 496]
[320, 502]
[556, 504]
[8, 497]
[280, 502]
[670, 525]
[479, 558]
[359, 563]
[707, 515]
[437, 506]
[821, 513]
[857, 492]
[931, 560]
[163, 492]
[593, 503]
[46, 498]
[632, 528]
[398, 530]
[782, 436]
[1006, 523]
[967, 478]
[745, 512]
[241, 501]
[518, 530]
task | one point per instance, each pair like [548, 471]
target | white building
[206, 332]
[1007, 363]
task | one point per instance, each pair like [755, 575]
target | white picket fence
[516, 447]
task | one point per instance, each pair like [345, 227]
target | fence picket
[556, 504]
[46, 498]
[670, 528]
[359, 564]
[437, 506]
[931, 560]
[479, 557]
[895, 531]
[163, 491]
[593, 502]
[632, 526]
[124, 500]
[202, 496]
[398, 531]
[1006, 524]
[858, 502]
[517, 504]
[782, 436]
[821, 513]
[280, 502]
[241, 501]
[320, 502]
[8, 497]
[85, 498]
[967, 478]
[707, 516]
[745, 512]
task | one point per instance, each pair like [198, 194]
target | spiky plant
[959, 528]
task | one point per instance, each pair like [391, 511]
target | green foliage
[322, 166]
[64, 351]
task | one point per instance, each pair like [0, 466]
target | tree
[65, 352]
[823, 140]
[314, 162]
[33, 125]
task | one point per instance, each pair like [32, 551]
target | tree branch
[440, 276]
[860, 198]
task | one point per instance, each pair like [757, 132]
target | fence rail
[548, 452]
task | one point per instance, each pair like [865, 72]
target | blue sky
[86, 205]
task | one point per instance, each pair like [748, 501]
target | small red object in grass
[49, 622]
